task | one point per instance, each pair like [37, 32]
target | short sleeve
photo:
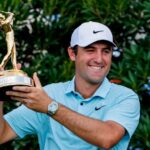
[126, 112]
[23, 121]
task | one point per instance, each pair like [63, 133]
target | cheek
[80, 64]
[108, 59]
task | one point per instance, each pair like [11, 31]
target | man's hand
[2, 69]
[34, 98]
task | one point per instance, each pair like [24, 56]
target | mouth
[96, 68]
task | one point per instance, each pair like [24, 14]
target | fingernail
[7, 93]
[34, 73]
[13, 88]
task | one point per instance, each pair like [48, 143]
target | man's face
[93, 62]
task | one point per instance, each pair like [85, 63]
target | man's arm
[99, 133]
[6, 132]
[9, 18]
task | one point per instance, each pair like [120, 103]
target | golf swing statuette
[9, 78]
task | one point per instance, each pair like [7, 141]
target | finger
[19, 66]
[23, 89]
[17, 99]
[16, 94]
[37, 81]
[22, 100]
[27, 102]
[1, 68]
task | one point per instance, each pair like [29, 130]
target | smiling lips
[96, 68]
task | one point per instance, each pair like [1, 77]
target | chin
[95, 81]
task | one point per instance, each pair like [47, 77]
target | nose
[98, 57]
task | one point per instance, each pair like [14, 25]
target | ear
[71, 54]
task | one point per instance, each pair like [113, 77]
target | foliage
[134, 67]
[142, 136]
[59, 69]
[42, 33]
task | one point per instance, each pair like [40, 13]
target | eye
[90, 50]
[107, 50]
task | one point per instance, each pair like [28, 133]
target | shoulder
[54, 88]
[122, 95]
[124, 99]
[122, 91]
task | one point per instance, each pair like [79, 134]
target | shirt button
[76, 95]
[81, 103]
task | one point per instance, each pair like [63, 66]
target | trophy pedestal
[10, 78]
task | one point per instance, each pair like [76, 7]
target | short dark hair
[75, 49]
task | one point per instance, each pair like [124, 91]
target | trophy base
[10, 78]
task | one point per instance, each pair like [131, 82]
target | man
[86, 113]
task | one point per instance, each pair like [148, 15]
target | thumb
[1, 68]
[36, 80]
[19, 66]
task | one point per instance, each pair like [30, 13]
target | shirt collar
[71, 86]
[100, 92]
[103, 89]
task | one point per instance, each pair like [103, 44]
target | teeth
[96, 68]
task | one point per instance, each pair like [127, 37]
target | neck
[84, 88]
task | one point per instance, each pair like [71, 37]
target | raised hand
[34, 98]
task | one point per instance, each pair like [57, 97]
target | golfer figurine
[6, 22]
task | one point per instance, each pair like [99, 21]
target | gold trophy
[9, 78]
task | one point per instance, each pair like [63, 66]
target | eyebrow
[108, 47]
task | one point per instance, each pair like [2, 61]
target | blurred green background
[42, 34]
